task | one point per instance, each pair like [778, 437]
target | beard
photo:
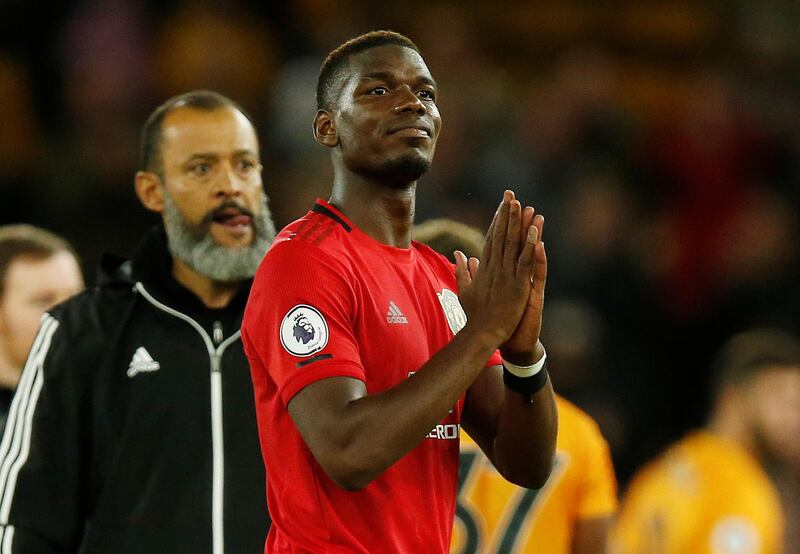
[398, 172]
[774, 449]
[193, 245]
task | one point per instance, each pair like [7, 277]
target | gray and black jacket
[133, 428]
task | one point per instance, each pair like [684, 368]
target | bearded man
[133, 427]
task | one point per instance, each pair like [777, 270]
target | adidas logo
[142, 362]
[394, 314]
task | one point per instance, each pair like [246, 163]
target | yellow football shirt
[705, 495]
[492, 515]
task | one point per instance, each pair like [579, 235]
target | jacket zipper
[217, 440]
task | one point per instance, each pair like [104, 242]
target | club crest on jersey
[304, 331]
[453, 311]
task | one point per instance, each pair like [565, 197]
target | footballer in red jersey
[369, 351]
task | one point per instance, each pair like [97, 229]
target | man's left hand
[523, 347]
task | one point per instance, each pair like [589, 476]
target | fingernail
[533, 233]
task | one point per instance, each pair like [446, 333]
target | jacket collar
[152, 266]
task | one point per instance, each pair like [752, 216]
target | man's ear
[150, 190]
[325, 129]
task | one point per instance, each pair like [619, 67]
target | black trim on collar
[320, 209]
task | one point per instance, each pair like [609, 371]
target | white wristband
[525, 371]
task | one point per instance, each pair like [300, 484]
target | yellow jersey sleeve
[598, 485]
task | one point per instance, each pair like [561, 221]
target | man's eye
[200, 169]
[426, 95]
[379, 91]
[246, 165]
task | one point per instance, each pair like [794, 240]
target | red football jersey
[328, 301]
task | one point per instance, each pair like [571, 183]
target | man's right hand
[494, 292]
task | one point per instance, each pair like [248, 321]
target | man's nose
[229, 183]
[408, 101]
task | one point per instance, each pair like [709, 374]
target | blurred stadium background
[661, 139]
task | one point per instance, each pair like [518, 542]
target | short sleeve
[298, 320]
[599, 486]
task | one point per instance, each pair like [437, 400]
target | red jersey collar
[403, 255]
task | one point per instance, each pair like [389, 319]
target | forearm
[524, 446]
[369, 433]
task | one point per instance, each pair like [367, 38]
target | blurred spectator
[37, 271]
[710, 492]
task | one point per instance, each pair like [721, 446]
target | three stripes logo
[142, 362]
[394, 315]
[16, 443]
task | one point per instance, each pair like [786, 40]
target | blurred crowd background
[660, 139]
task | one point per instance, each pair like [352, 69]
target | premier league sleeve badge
[304, 331]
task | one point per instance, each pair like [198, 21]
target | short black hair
[745, 355]
[204, 100]
[338, 59]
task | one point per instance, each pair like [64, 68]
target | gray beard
[194, 246]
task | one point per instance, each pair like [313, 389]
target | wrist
[525, 386]
[524, 359]
[526, 371]
[526, 380]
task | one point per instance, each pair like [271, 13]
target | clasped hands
[502, 293]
